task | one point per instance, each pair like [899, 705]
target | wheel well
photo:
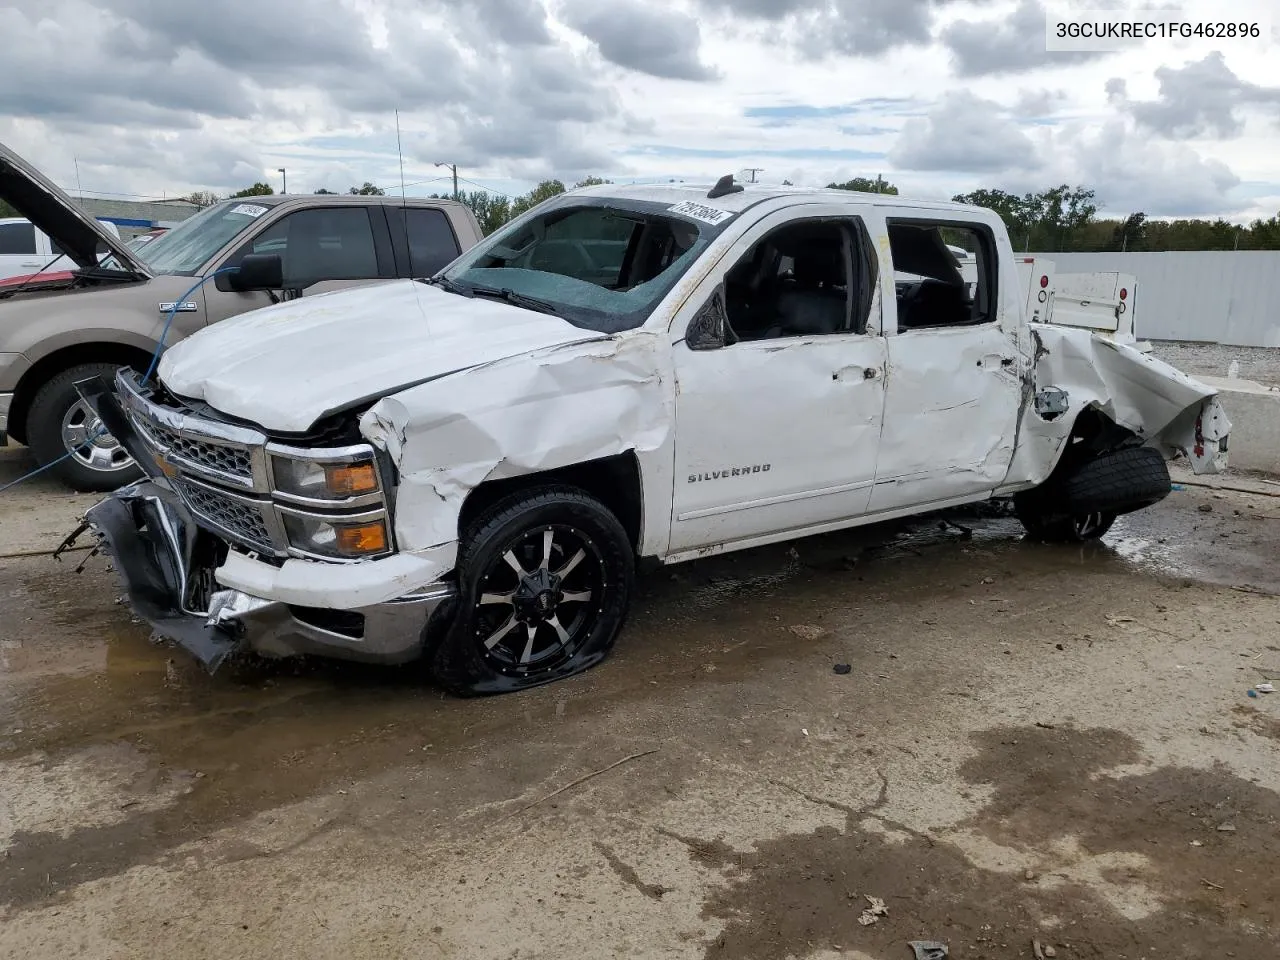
[614, 481]
[48, 367]
[1092, 434]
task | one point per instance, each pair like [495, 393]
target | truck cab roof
[752, 194]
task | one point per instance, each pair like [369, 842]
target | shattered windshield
[188, 246]
[602, 264]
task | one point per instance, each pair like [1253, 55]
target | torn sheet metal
[152, 541]
[1158, 402]
[538, 411]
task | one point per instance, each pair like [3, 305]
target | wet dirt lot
[1033, 743]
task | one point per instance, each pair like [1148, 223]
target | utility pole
[453, 168]
[284, 180]
[753, 171]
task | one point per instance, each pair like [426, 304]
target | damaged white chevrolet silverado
[468, 468]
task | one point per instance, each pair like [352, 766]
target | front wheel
[64, 431]
[545, 580]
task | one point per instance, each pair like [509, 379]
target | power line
[486, 189]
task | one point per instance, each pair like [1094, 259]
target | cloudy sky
[154, 97]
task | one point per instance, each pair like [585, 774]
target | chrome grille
[241, 521]
[212, 456]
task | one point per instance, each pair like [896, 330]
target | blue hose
[155, 359]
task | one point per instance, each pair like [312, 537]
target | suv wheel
[61, 427]
[545, 580]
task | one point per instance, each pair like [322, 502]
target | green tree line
[1058, 219]
[1064, 219]
[492, 210]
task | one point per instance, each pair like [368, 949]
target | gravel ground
[1212, 360]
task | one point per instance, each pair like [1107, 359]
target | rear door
[322, 249]
[422, 239]
[954, 385]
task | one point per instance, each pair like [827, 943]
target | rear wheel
[1080, 528]
[545, 580]
[1083, 504]
[63, 429]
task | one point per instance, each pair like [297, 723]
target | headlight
[344, 477]
[345, 538]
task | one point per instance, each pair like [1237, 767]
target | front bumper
[169, 565]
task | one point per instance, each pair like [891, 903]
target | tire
[558, 616]
[58, 417]
[1126, 480]
[1083, 504]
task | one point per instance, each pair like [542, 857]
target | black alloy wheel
[545, 580]
[541, 598]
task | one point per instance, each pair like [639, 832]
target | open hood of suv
[36, 198]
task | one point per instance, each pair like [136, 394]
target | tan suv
[111, 311]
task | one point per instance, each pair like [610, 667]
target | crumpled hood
[286, 366]
[36, 197]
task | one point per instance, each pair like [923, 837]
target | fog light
[335, 537]
[363, 539]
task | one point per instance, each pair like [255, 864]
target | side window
[17, 238]
[802, 279]
[320, 244]
[432, 244]
[944, 274]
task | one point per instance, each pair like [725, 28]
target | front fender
[528, 414]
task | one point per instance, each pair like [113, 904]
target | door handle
[870, 373]
[1007, 361]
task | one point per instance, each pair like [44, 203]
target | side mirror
[258, 271]
[709, 329]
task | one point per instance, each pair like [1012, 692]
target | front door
[778, 431]
[322, 249]
[954, 387]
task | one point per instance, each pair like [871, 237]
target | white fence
[1207, 296]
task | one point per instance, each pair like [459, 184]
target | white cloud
[967, 134]
[1132, 171]
[940, 96]
[1204, 98]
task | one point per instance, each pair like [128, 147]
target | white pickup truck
[25, 249]
[468, 468]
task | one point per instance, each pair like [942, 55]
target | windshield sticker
[249, 209]
[700, 211]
